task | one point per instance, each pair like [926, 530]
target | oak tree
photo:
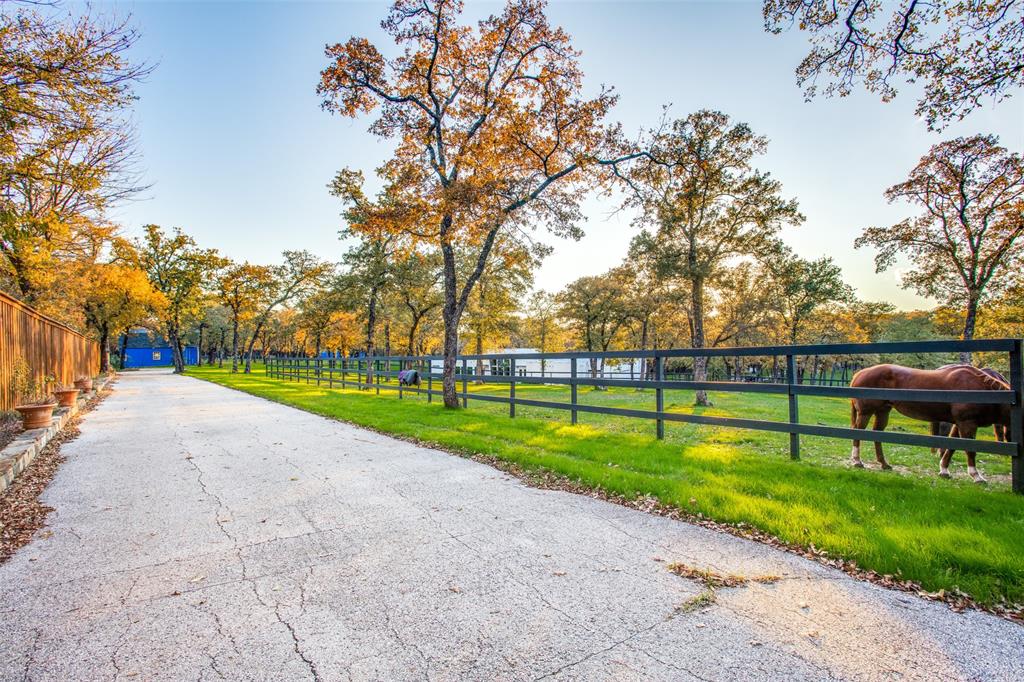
[965, 243]
[181, 271]
[961, 52]
[800, 287]
[242, 288]
[66, 150]
[492, 134]
[705, 204]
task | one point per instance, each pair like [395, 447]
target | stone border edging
[21, 451]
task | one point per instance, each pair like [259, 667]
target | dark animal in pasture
[946, 429]
[409, 377]
[965, 417]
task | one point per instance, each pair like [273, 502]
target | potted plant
[32, 396]
[83, 383]
[66, 395]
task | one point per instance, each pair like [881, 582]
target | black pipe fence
[521, 368]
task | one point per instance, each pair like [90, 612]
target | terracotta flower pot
[36, 416]
[66, 397]
[85, 385]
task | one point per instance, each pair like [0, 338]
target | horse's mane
[990, 381]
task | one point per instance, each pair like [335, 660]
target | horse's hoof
[980, 481]
[944, 474]
[886, 467]
[857, 465]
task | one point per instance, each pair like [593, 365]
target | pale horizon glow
[239, 153]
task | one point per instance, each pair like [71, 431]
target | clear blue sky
[239, 152]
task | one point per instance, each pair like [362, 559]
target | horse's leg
[970, 430]
[933, 428]
[947, 454]
[858, 420]
[881, 421]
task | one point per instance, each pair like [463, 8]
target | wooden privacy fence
[48, 346]
[346, 372]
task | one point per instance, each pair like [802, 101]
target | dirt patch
[712, 582]
[21, 512]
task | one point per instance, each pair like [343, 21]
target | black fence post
[572, 388]
[1017, 418]
[430, 381]
[376, 374]
[512, 387]
[794, 412]
[399, 377]
[465, 383]
[659, 393]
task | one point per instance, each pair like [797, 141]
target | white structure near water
[624, 368]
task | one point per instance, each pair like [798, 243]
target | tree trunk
[700, 363]
[969, 323]
[234, 346]
[199, 348]
[455, 303]
[451, 349]
[479, 361]
[450, 317]
[643, 346]
[252, 345]
[220, 354]
[124, 347]
[371, 327]
[173, 337]
[410, 346]
[105, 349]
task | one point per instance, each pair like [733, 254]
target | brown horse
[946, 429]
[965, 417]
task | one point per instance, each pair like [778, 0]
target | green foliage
[29, 387]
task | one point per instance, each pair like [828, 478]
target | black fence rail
[606, 370]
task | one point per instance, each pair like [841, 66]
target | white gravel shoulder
[202, 533]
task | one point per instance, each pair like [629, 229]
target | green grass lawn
[908, 522]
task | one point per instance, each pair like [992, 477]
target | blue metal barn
[157, 356]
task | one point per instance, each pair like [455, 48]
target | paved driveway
[201, 533]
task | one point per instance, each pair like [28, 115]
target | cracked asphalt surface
[201, 533]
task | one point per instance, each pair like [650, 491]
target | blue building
[158, 356]
[144, 349]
